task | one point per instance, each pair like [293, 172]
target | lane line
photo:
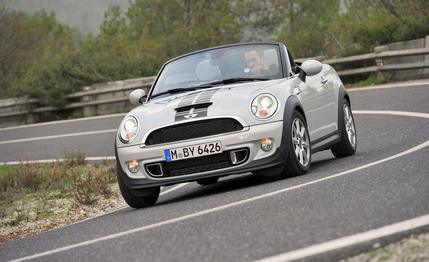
[351, 240]
[395, 113]
[404, 113]
[393, 85]
[178, 186]
[62, 121]
[100, 158]
[57, 136]
[219, 208]
[417, 83]
[42, 161]
[174, 188]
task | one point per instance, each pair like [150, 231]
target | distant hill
[86, 15]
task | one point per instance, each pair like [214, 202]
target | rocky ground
[414, 248]
[43, 215]
[33, 218]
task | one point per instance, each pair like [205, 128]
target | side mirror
[310, 68]
[136, 96]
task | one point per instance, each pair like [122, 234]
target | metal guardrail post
[425, 72]
[379, 61]
[88, 110]
[31, 117]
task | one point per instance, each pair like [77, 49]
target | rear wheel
[347, 145]
[137, 198]
[299, 157]
[207, 181]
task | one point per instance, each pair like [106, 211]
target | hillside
[85, 15]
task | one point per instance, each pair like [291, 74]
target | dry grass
[31, 193]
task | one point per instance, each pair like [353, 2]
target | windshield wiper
[233, 80]
[175, 91]
[181, 90]
[208, 85]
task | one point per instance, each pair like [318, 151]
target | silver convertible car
[229, 110]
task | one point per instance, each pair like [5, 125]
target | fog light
[266, 144]
[133, 166]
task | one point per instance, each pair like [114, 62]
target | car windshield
[219, 66]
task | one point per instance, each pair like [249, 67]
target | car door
[317, 96]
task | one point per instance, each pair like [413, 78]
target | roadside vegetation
[45, 59]
[38, 197]
[414, 248]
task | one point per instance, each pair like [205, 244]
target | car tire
[137, 198]
[299, 157]
[207, 181]
[348, 142]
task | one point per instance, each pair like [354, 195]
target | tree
[183, 26]
[21, 44]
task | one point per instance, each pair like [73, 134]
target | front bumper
[248, 138]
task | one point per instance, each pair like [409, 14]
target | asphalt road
[248, 217]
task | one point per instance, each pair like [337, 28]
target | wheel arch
[292, 104]
[346, 96]
[301, 111]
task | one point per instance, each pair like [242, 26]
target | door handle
[324, 81]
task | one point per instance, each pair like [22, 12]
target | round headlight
[129, 129]
[263, 106]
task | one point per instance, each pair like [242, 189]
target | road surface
[339, 208]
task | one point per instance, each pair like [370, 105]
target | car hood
[225, 101]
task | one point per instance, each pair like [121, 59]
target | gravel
[414, 248]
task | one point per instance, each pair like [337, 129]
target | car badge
[191, 114]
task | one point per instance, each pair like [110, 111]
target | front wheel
[348, 143]
[299, 157]
[137, 198]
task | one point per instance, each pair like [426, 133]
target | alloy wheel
[349, 125]
[300, 141]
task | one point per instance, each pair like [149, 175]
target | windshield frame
[283, 67]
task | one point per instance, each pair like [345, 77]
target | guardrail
[112, 97]
[379, 59]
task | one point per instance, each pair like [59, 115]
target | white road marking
[100, 158]
[41, 161]
[219, 208]
[58, 136]
[63, 121]
[395, 113]
[350, 240]
[174, 188]
[417, 83]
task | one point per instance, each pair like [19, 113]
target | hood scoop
[194, 106]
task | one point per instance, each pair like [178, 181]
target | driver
[256, 63]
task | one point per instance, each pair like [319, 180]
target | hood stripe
[194, 99]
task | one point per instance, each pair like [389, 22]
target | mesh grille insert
[190, 130]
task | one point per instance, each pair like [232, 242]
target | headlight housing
[263, 106]
[129, 129]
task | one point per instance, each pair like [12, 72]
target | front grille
[191, 130]
[197, 165]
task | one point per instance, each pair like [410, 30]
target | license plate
[186, 152]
